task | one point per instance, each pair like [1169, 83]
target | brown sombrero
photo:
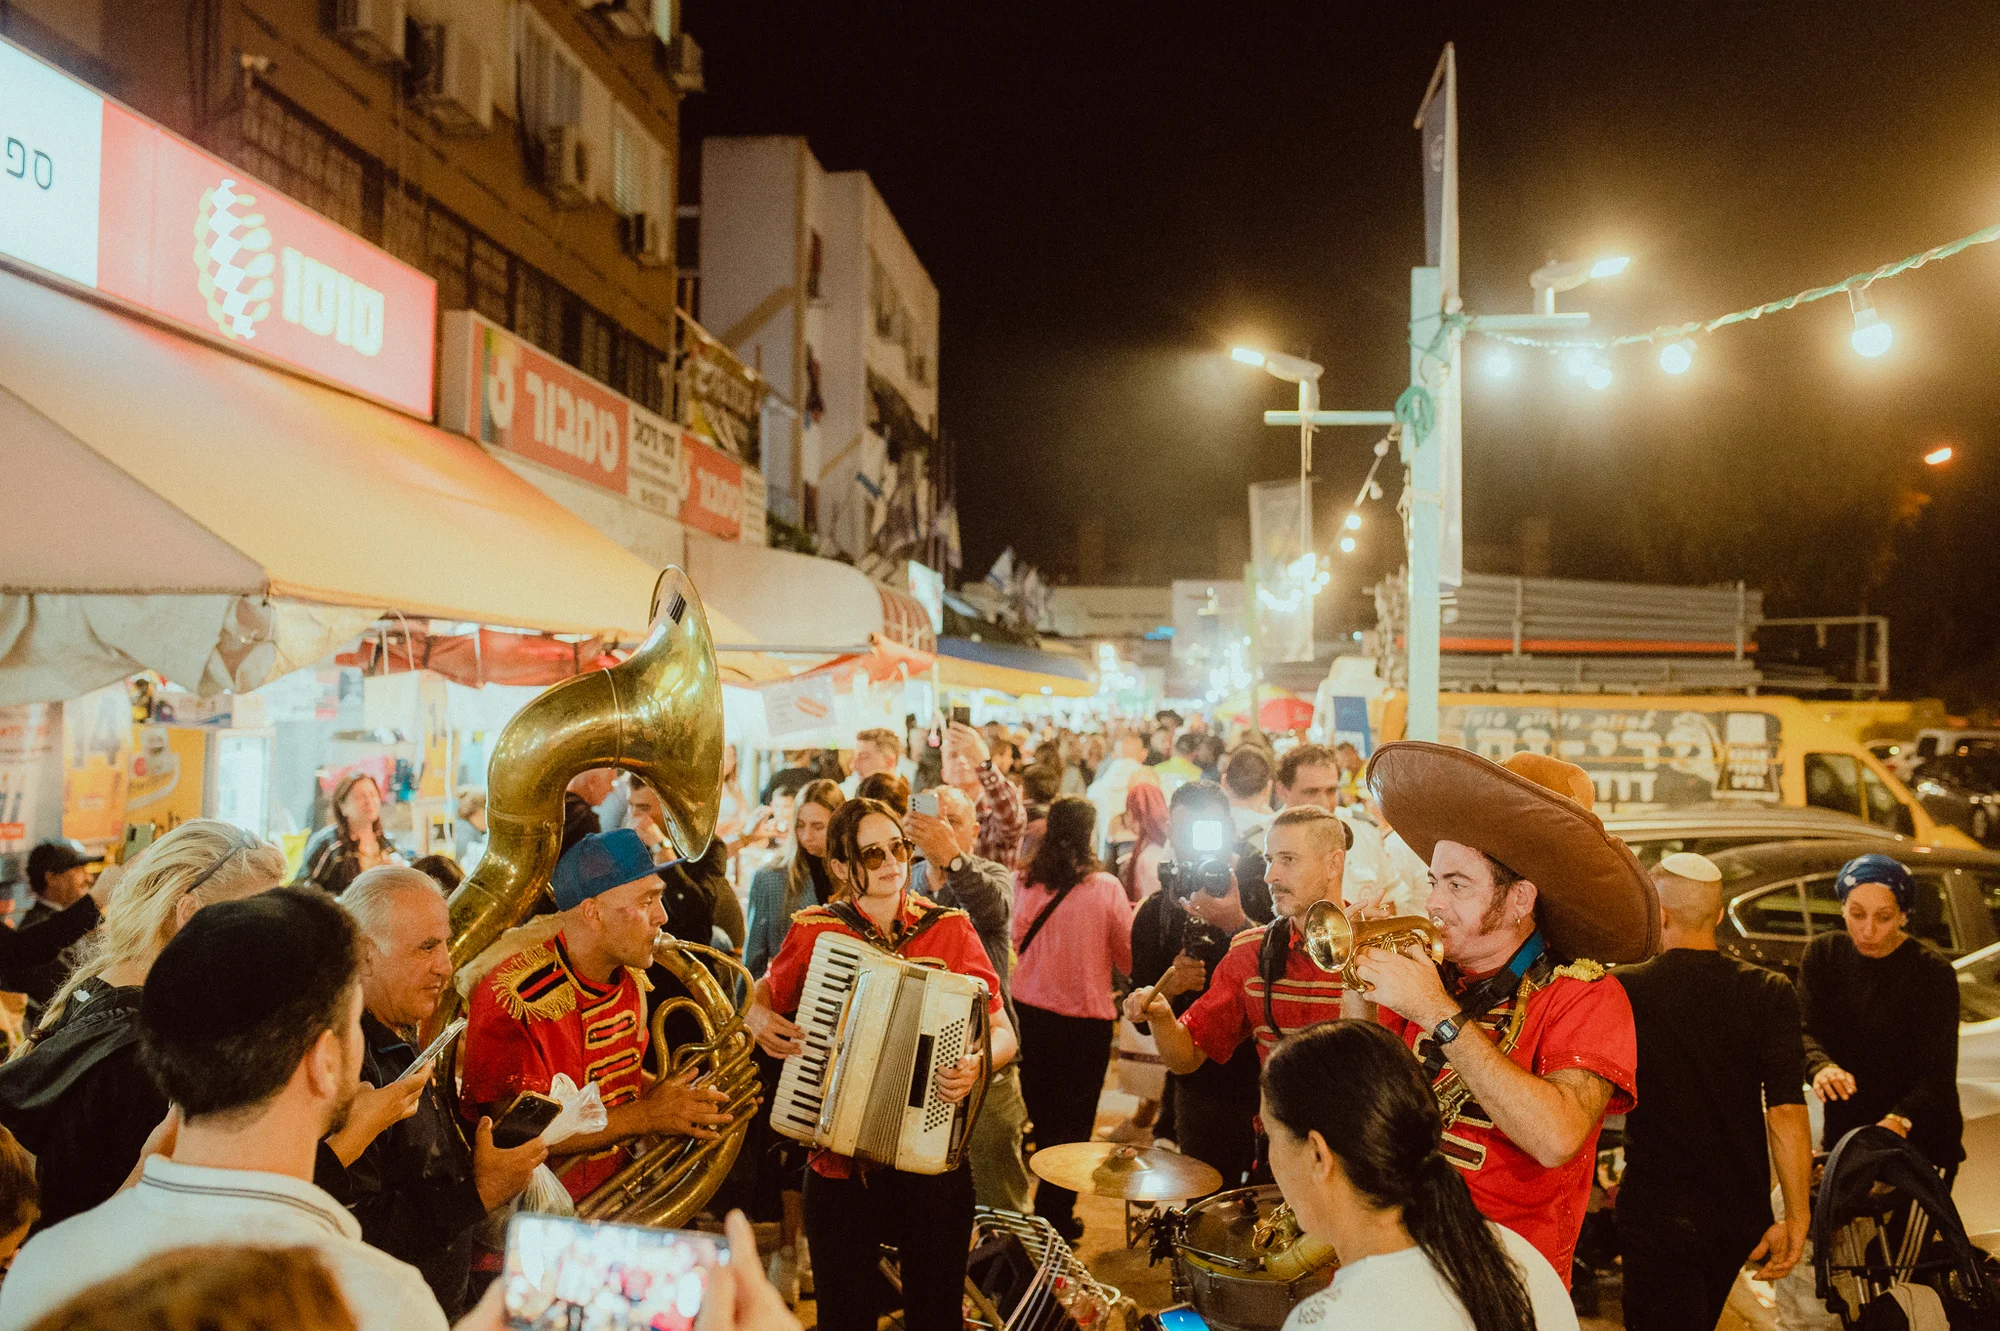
[1594, 899]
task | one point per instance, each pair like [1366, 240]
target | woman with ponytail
[1355, 1137]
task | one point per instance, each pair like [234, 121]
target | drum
[1221, 1267]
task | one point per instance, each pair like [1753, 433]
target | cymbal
[1131, 1173]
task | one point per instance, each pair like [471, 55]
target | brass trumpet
[1334, 941]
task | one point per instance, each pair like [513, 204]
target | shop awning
[174, 502]
[1017, 671]
[795, 603]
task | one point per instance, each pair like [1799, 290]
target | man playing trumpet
[1525, 1046]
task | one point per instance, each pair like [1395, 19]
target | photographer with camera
[1266, 986]
[1181, 934]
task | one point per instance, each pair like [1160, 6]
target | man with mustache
[1524, 1042]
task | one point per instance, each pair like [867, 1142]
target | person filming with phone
[417, 1189]
[561, 995]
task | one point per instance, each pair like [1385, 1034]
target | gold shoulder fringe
[1581, 969]
[511, 974]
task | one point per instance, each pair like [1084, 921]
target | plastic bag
[545, 1194]
[583, 1111]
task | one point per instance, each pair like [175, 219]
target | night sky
[1108, 195]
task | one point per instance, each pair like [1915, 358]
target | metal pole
[1424, 454]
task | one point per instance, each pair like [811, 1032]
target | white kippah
[1687, 864]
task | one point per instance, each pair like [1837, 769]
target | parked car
[1977, 1191]
[1937, 741]
[1962, 789]
[1708, 829]
[1779, 895]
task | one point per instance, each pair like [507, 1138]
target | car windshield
[1979, 985]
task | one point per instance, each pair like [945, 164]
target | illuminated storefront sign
[711, 489]
[506, 392]
[110, 200]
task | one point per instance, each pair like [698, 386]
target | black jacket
[81, 1101]
[31, 957]
[1161, 930]
[329, 862]
[412, 1189]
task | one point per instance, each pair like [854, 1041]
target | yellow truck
[1650, 752]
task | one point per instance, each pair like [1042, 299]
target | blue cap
[1883, 869]
[598, 863]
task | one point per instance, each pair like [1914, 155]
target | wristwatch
[1447, 1030]
[957, 863]
[1903, 1119]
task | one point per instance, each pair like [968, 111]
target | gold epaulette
[1581, 969]
[534, 983]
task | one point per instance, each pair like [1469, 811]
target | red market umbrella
[1282, 714]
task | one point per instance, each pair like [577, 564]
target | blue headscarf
[1883, 869]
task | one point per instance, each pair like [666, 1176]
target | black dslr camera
[1202, 859]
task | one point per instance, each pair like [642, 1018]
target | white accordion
[877, 1029]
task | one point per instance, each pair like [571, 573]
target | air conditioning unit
[566, 166]
[450, 80]
[633, 18]
[372, 29]
[683, 63]
[645, 239]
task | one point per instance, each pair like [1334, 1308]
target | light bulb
[1499, 365]
[1598, 377]
[1248, 355]
[1871, 336]
[1937, 457]
[1676, 357]
[1610, 267]
[1353, 522]
[1347, 545]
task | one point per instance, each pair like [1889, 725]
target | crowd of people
[218, 1060]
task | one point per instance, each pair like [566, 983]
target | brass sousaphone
[658, 715]
[1335, 940]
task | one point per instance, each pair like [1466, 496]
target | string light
[1499, 365]
[1871, 337]
[1353, 522]
[1702, 327]
[1347, 545]
[1598, 376]
[1677, 357]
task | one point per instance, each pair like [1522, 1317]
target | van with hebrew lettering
[1663, 751]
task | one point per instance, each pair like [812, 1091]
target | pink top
[1069, 970]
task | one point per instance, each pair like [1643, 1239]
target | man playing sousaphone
[1525, 1044]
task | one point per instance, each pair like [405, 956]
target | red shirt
[531, 1017]
[950, 943]
[1572, 1022]
[1232, 1009]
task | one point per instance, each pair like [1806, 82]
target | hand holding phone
[428, 1058]
[524, 1119]
[626, 1276]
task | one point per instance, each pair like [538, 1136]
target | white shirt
[1403, 1290]
[175, 1205]
[1251, 824]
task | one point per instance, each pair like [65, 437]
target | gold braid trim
[513, 974]
[1453, 1094]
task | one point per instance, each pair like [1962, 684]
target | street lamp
[1555, 276]
[1304, 373]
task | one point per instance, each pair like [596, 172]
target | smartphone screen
[524, 1120]
[563, 1272]
[1181, 1319]
[436, 1047]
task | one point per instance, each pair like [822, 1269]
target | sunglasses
[872, 858]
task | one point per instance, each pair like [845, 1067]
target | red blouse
[949, 943]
